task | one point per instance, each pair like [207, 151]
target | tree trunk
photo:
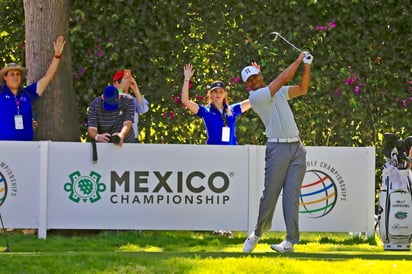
[45, 20]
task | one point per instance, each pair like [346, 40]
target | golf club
[5, 236]
[284, 39]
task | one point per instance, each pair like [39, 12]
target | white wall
[56, 185]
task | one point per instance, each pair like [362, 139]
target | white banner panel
[148, 186]
[337, 193]
[19, 183]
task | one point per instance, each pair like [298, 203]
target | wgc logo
[318, 194]
[86, 188]
[3, 188]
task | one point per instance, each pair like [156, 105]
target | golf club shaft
[284, 39]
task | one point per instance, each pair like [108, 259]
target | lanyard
[224, 118]
[18, 103]
[223, 114]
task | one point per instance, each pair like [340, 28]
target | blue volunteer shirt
[214, 122]
[10, 106]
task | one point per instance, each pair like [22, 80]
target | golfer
[285, 154]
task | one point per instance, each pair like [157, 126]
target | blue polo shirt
[8, 110]
[214, 122]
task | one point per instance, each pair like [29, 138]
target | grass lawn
[194, 252]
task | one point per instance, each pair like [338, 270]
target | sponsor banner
[148, 186]
[56, 185]
[19, 184]
[337, 193]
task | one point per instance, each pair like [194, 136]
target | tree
[44, 22]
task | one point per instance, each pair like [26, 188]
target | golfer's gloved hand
[308, 58]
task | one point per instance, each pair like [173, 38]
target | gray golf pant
[284, 169]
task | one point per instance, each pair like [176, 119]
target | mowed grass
[194, 252]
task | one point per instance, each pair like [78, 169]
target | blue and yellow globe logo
[3, 189]
[318, 194]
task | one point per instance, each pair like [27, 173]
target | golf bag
[395, 195]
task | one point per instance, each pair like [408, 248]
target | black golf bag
[394, 222]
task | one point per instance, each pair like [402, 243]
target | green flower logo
[84, 187]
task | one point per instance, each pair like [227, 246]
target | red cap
[118, 75]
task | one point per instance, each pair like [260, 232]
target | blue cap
[216, 85]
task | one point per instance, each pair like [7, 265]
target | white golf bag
[395, 202]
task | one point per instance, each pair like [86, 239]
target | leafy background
[361, 75]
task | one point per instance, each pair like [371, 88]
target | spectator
[124, 82]
[218, 116]
[110, 117]
[16, 101]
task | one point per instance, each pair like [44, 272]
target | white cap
[249, 71]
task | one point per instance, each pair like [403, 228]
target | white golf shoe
[250, 243]
[283, 247]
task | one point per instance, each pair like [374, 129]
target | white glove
[308, 58]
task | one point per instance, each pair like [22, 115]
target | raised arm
[304, 84]
[245, 105]
[136, 90]
[188, 72]
[44, 82]
[286, 75]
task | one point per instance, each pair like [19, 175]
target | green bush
[361, 74]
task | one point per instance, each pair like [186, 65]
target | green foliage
[11, 32]
[361, 74]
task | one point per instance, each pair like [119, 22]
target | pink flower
[176, 99]
[236, 79]
[357, 89]
[337, 92]
[321, 28]
[100, 53]
[83, 71]
[199, 97]
[404, 103]
[332, 24]
[349, 81]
